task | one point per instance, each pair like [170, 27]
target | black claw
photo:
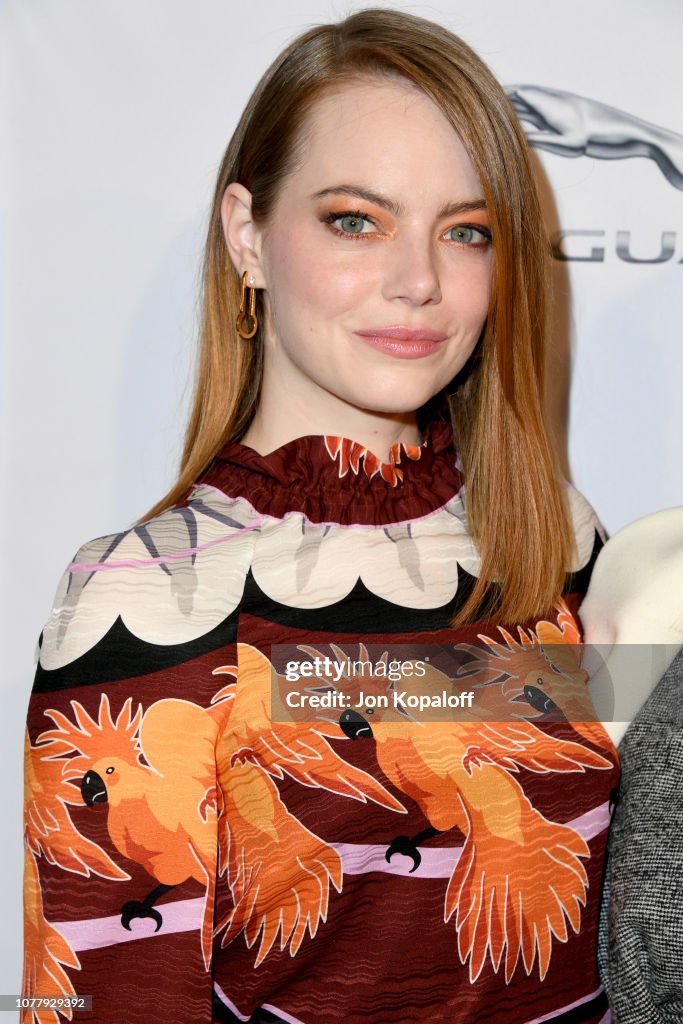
[134, 908]
[144, 908]
[406, 846]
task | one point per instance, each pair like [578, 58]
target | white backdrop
[115, 118]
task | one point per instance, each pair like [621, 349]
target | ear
[242, 237]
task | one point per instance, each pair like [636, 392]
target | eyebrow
[449, 210]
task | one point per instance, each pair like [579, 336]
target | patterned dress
[192, 856]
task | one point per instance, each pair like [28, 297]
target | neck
[377, 432]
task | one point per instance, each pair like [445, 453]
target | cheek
[469, 293]
[311, 277]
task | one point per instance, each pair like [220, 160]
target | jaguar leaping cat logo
[570, 125]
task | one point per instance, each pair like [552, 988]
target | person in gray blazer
[640, 947]
[635, 603]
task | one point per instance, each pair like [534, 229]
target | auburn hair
[516, 508]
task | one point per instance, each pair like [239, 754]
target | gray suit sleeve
[640, 949]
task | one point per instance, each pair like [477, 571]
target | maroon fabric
[161, 789]
[334, 479]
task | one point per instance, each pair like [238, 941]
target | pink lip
[404, 342]
[403, 333]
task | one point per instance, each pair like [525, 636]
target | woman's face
[383, 225]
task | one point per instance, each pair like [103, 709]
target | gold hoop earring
[251, 315]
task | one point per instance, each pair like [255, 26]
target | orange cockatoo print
[168, 812]
[50, 833]
[161, 800]
[352, 455]
[540, 673]
[279, 871]
[519, 881]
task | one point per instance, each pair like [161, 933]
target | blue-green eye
[468, 235]
[352, 223]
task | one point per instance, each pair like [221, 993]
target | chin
[397, 403]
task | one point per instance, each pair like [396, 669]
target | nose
[411, 271]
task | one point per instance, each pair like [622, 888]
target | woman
[374, 285]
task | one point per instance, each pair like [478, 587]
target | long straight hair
[517, 514]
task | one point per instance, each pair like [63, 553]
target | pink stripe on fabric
[137, 563]
[440, 862]
[607, 1019]
[435, 863]
[569, 1006]
[134, 563]
[592, 823]
[282, 1013]
[186, 915]
[96, 932]
[228, 1002]
[264, 1006]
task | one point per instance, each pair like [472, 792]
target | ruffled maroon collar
[338, 480]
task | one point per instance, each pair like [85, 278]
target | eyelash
[331, 217]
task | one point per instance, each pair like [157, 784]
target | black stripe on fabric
[578, 1015]
[122, 655]
[577, 582]
[224, 1015]
[360, 611]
